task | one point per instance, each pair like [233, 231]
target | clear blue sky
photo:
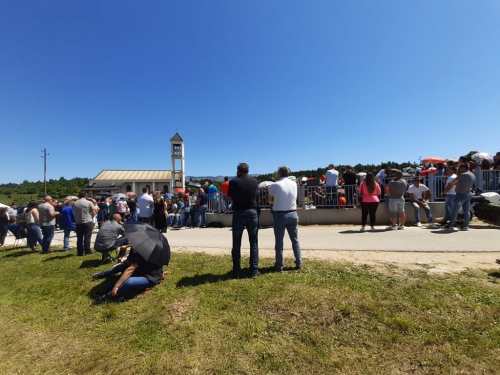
[106, 84]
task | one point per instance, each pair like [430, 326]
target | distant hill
[212, 178]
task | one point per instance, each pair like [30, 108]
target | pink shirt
[367, 197]
[121, 206]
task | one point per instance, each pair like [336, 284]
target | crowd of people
[83, 214]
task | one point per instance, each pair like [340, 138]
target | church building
[124, 181]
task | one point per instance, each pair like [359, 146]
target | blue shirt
[67, 218]
[212, 190]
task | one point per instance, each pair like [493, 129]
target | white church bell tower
[178, 178]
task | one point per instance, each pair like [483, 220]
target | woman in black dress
[160, 207]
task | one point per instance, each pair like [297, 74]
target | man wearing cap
[419, 194]
[283, 194]
[332, 178]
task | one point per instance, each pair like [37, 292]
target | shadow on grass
[18, 254]
[91, 263]
[58, 257]
[495, 274]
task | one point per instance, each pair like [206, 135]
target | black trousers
[368, 208]
[83, 237]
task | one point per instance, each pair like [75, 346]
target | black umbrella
[148, 242]
[193, 184]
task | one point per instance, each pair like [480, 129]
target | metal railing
[488, 180]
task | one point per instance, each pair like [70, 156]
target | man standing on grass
[284, 195]
[47, 216]
[84, 209]
[396, 190]
[242, 192]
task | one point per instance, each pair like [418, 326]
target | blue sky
[106, 84]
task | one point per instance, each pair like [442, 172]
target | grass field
[18, 198]
[324, 319]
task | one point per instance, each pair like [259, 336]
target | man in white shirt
[419, 194]
[284, 195]
[146, 204]
[332, 178]
[449, 197]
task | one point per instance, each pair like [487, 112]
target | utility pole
[44, 170]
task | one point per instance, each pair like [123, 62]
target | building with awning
[109, 182]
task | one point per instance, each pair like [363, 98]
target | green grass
[325, 319]
[18, 198]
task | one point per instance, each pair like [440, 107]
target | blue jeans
[290, 222]
[67, 231]
[134, 216]
[48, 235]
[331, 195]
[461, 201]
[427, 210]
[34, 235]
[449, 199]
[132, 286]
[202, 214]
[242, 219]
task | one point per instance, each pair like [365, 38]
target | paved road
[341, 238]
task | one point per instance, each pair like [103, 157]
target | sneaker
[362, 229]
[432, 226]
[372, 229]
[98, 275]
[182, 228]
[255, 274]
[297, 268]
[464, 229]
[234, 274]
[419, 224]
[391, 228]
[401, 227]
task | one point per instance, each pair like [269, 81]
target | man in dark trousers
[242, 192]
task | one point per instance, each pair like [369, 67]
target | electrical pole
[44, 170]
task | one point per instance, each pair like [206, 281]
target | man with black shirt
[202, 208]
[137, 275]
[349, 180]
[242, 192]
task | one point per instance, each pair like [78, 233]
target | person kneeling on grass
[136, 275]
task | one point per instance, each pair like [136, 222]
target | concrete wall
[338, 216]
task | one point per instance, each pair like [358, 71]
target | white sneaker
[373, 229]
[391, 228]
[419, 224]
[182, 228]
[433, 226]
[401, 227]
[362, 229]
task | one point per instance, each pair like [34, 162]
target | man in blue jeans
[136, 275]
[284, 195]
[47, 216]
[463, 183]
[242, 193]
[68, 222]
[202, 208]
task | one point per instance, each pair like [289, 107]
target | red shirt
[224, 187]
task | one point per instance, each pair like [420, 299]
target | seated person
[417, 199]
[173, 213]
[108, 238]
[136, 275]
